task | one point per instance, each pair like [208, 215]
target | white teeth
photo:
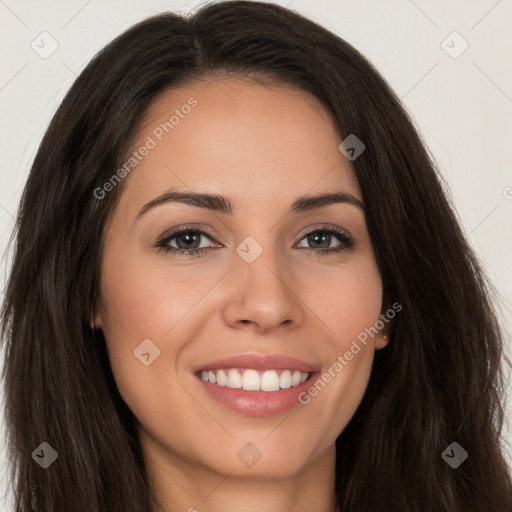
[296, 378]
[234, 379]
[253, 380]
[269, 381]
[285, 381]
[222, 378]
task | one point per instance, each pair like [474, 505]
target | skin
[261, 146]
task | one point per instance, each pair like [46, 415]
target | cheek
[144, 301]
[350, 311]
[141, 308]
[148, 303]
[349, 303]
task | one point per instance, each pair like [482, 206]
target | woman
[175, 337]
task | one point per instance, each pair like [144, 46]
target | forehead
[259, 144]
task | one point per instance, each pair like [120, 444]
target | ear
[381, 340]
[382, 337]
[96, 320]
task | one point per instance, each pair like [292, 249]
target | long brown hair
[441, 378]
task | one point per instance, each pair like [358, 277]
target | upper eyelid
[172, 233]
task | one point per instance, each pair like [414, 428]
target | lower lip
[257, 403]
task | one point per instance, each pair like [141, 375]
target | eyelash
[341, 235]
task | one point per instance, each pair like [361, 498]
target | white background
[462, 106]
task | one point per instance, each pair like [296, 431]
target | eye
[187, 241]
[321, 239]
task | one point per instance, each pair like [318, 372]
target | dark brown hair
[440, 379]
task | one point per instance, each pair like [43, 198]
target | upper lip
[258, 362]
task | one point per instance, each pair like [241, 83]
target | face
[200, 296]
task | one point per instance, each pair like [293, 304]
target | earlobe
[96, 322]
[382, 338]
[381, 341]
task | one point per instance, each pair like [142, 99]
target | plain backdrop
[457, 87]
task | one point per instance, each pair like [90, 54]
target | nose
[263, 295]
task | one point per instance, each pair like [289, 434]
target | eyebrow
[221, 204]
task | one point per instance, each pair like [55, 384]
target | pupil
[188, 237]
[315, 236]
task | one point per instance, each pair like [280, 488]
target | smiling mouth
[254, 380]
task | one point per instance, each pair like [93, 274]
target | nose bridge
[260, 267]
[264, 288]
